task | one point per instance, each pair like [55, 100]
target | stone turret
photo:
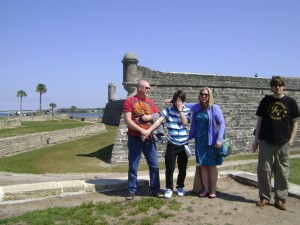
[130, 72]
[111, 92]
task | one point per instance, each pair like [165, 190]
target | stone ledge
[38, 191]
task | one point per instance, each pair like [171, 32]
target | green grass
[146, 211]
[29, 127]
[294, 175]
[79, 156]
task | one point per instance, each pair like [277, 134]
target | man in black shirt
[276, 129]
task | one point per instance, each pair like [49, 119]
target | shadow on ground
[103, 154]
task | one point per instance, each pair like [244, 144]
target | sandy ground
[235, 204]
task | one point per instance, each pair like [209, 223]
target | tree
[21, 94]
[41, 88]
[72, 109]
[52, 106]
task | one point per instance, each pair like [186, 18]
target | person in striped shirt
[177, 116]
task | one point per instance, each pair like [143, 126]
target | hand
[146, 118]
[254, 145]
[218, 144]
[168, 101]
[145, 132]
[178, 104]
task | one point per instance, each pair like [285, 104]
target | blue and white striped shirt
[177, 132]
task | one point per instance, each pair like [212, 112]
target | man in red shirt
[137, 112]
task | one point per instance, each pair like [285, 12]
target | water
[3, 114]
[6, 114]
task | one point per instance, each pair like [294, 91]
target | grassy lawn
[30, 127]
[84, 155]
[146, 211]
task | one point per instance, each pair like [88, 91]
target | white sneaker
[168, 193]
[180, 192]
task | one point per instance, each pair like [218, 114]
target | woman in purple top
[207, 137]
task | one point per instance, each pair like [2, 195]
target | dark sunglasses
[203, 94]
[280, 85]
[147, 88]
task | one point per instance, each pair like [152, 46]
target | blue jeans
[135, 148]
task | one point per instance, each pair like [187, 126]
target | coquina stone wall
[8, 123]
[19, 144]
[237, 96]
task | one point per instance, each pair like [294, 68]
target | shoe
[180, 192]
[212, 195]
[280, 205]
[158, 195]
[262, 202]
[168, 193]
[130, 196]
[203, 194]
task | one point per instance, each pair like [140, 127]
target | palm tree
[21, 94]
[52, 106]
[41, 88]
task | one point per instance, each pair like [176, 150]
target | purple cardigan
[219, 118]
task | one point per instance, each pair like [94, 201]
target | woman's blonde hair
[210, 96]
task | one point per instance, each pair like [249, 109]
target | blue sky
[75, 47]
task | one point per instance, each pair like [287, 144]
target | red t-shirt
[138, 108]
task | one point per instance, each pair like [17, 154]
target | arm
[218, 115]
[294, 130]
[221, 124]
[147, 118]
[184, 120]
[130, 123]
[154, 126]
[179, 106]
[257, 131]
[190, 105]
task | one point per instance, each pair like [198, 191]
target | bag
[188, 150]
[197, 186]
[226, 148]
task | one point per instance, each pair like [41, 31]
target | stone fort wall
[238, 98]
[14, 145]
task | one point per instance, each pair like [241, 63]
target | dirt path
[235, 204]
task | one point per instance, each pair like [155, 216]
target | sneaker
[168, 193]
[180, 192]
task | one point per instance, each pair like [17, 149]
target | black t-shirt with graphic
[277, 115]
